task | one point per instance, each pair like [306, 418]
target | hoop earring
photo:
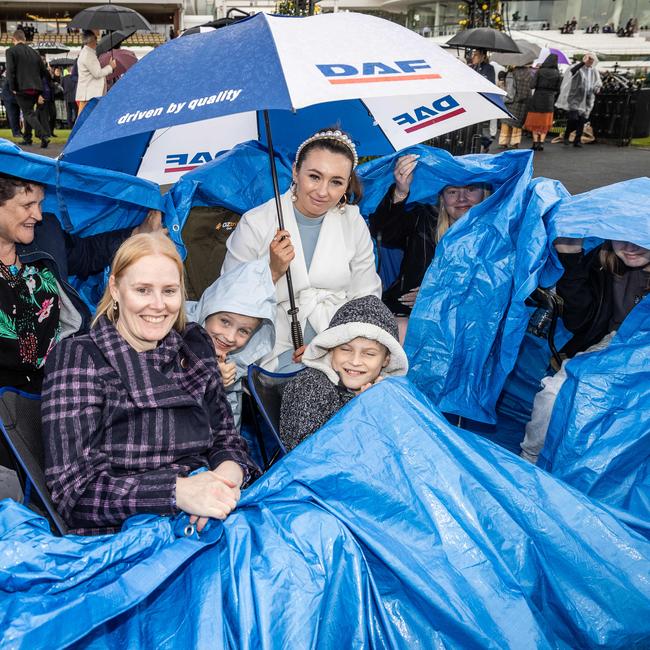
[293, 188]
[342, 202]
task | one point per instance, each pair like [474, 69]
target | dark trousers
[71, 113]
[575, 122]
[47, 115]
[32, 120]
[13, 116]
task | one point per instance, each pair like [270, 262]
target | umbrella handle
[296, 329]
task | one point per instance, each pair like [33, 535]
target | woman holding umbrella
[325, 237]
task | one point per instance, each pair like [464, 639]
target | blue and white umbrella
[405, 86]
[196, 96]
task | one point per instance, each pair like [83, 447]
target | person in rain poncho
[359, 348]
[238, 311]
[577, 95]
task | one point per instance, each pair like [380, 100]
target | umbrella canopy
[112, 40]
[386, 85]
[124, 59]
[484, 38]
[51, 48]
[62, 63]
[562, 58]
[528, 53]
[109, 17]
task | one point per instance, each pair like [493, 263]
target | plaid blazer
[120, 426]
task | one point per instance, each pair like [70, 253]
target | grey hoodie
[246, 289]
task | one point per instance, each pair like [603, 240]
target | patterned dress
[29, 324]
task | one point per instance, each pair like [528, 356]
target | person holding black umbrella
[92, 76]
[325, 240]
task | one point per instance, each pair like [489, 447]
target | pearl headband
[331, 135]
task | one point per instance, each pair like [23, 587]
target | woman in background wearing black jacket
[546, 87]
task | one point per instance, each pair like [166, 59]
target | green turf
[641, 142]
[61, 136]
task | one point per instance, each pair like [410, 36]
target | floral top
[29, 324]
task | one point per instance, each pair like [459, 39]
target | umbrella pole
[296, 330]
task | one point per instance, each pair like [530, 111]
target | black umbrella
[61, 63]
[112, 40]
[51, 48]
[111, 18]
[484, 38]
[216, 24]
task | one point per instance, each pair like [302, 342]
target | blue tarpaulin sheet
[599, 435]
[86, 200]
[387, 529]
[469, 320]
[239, 180]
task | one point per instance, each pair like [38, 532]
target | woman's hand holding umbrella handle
[281, 253]
[403, 173]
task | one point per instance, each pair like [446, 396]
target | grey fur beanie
[365, 317]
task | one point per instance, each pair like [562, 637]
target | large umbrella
[112, 40]
[51, 48]
[62, 63]
[411, 88]
[562, 58]
[484, 38]
[528, 53]
[109, 17]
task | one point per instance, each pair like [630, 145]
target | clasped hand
[206, 495]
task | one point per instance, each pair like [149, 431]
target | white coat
[92, 77]
[343, 266]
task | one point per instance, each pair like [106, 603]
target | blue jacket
[66, 255]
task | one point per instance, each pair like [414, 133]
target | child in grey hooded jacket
[359, 348]
[238, 311]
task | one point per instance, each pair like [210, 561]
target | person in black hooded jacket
[599, 288]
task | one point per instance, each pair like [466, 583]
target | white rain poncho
[578, 91]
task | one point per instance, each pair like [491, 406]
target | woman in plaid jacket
[132, 408]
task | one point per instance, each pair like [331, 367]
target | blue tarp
[599, 435]
[386, 529]
[239, 180]
[467, 325]
[86, 200]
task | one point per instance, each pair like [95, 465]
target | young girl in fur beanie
[359, 348]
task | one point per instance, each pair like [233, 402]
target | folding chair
[265, 390]
[20, 426]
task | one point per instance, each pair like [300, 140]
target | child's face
[229, 331]
[359, 362]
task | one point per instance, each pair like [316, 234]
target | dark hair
[354, 192]
[10, 186]
[19, 35]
